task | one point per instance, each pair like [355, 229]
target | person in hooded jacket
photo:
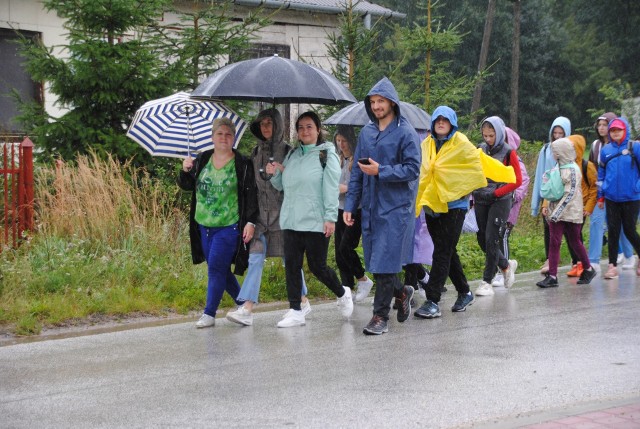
[268, 128]
[384, 183]
[566, 215]
[598, 221]
[619, 176]
[513, 140]
[347, 238]
[222, 215]
[561, 127]
[309, 178]
[452, 167]
[492, 204]
[589, 196]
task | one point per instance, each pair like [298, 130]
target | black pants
[492, 223]
[413, 273]
[315, 245]
[346, 240]
[623, 214]
[387, 286]
[445, 232]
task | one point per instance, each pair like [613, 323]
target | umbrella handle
[188, 132]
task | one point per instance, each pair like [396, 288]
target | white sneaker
[620, 258]
[205, 321]
[629, 263]
[305, 308]
[498, 280]
[363, 289]
[510, 273]
[345, 302]
[596, 266]
[422, 292]
[241, 316]
[292, 318]
[484, 289]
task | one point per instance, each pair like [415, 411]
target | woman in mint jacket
[309, 177]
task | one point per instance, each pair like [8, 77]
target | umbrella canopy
[177, 125]
[356, 115]
[274, 80]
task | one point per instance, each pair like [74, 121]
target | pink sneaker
[612, 272]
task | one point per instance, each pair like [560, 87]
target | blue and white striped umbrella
[178, 126]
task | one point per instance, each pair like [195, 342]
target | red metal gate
[16, 173]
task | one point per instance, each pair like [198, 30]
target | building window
[13, 76]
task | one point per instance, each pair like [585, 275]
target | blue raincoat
[388, 199]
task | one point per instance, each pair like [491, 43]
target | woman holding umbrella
[223, 213]
[268, 127]
[309, 178]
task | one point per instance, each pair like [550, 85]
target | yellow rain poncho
[455, 171]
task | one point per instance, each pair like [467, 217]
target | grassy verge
[111, 241]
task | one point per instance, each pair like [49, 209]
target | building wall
[305, 32]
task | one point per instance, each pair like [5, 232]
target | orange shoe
[580, 269]
[573, 272]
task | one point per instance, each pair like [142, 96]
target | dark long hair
[316, 120]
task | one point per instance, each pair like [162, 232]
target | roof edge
[285, 4]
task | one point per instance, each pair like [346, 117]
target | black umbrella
[356, 115]
[274, 80]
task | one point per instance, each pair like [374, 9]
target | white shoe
[620, 258]
[510, 273]
[484, 289]
[205, 321]
[422, 292]
[363, 289]
[629, 263]
[498, 280]
[241, 316]
[596, 266]
[292, 318]
[305, 308]
[345, 302]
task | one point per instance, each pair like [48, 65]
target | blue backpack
[552, 188]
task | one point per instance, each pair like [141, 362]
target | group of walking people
[398, 195]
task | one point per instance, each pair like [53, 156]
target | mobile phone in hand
[364, 161]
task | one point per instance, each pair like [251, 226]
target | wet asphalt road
[519, 353]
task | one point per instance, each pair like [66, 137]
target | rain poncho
[569, 208]
[456, 170]
[387, 199]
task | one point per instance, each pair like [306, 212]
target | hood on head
[447, 113]
[563, 151]
[562, 122]
[622, 123]
[513, 139]
[608, 116]
[383, 88]
[348, 132]
[278, 125]
[579, 144]
[500, 128]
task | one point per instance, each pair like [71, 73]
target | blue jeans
[251, 284]
[624, 246]
[219, 245]
[596, 232]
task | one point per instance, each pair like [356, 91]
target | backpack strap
[585, 176]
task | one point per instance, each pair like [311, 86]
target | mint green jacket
[310, 190]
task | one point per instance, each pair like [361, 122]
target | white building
[299, 30]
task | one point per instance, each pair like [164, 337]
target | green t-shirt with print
[217, 195]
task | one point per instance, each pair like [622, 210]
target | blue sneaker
[464, 300]
[428, 310]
